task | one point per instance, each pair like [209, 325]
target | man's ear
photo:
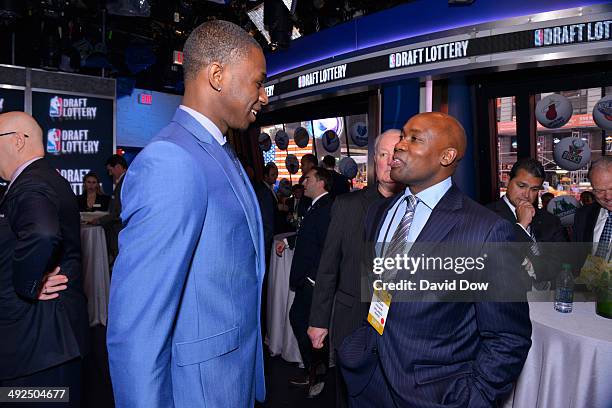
[448, 157]
[215, 75]
[20, 141]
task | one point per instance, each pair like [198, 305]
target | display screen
[77, 134]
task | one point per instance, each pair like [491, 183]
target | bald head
[22, 142]
[447, 131]
[430, 148]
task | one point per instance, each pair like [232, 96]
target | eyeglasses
[10, 133]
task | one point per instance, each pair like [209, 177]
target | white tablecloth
[280, 338]
[96, 281]
[570, 362]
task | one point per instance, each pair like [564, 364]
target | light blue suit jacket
[183, 327]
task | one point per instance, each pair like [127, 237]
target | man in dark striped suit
[436, 353]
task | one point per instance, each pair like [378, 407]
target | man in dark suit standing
[298, 203]
[340, 184]
[268, 205]
[41, 342]
[593, 223]
[531, 224]
[339, 276]
[116, 167]
[308, 248]
[435, 353]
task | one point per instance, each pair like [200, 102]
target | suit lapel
[244, 193]
[443, 217]
[592, 221]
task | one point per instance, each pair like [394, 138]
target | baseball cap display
[301, 137]
[554, 111]
[281, 139]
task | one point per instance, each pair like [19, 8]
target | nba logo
[55, 107]
[1, 104]
[539, 38]
[54, 141]
[392, 61]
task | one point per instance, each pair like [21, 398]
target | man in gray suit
[338, 284]
[116, 167]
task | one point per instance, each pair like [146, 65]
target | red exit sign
[145, 99]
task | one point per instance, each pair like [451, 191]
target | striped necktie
[399, 241]
[604, 240]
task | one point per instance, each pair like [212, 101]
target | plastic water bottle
[564, 291]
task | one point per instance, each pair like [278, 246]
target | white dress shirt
[207, 123]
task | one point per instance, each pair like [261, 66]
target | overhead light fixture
[256, 14]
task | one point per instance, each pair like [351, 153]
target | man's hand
[94, 221]
[280, 247]
[317, 336]
[524, 213]
[52, 283]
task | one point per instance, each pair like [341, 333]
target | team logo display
[301, 137]
[359, 134]
[348, 167]
[554, 111]
[602, 113]
[331, 141]
[572, 153]
[265, 143]
[564, 207]
[282, 140]
[292, 164]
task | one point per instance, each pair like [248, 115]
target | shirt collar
[20, 170]
[509, 204]
[317, 199]
[431, 196]
[206, 123]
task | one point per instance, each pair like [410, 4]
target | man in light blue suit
[183, 326]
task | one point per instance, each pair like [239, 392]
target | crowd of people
[191, 238]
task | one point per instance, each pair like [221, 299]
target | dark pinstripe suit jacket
[439, 354]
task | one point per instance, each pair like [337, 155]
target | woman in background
[92, 198]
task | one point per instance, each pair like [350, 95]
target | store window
[352, 142]
[581, 125]
[507, 144]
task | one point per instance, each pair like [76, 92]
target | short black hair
[215, 41]
[324, 175]
[551, 195]
[587, 194]
[329, 161]
[309, 157]
[530, 165]
[297, 187]
[116, 159]
[269, 166]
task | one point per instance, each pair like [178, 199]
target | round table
[570, 361]
[96, 281]
[279, 337]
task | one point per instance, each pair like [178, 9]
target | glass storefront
[581, 125]
[352, 134]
